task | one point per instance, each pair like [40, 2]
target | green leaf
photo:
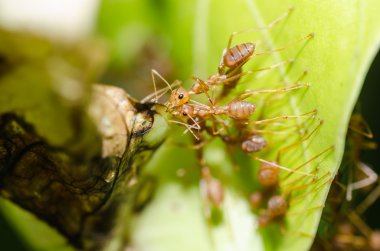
[337, 58]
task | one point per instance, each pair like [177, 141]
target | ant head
[178, 97]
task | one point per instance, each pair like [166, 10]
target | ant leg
[263, 73]
[310, 160]
[298, 233]
[285, 149]
[204, 88]
[188, 127]
[283, 168]
[250, 93]
[308, 36]
[273, 132]
[215, 130]
[315, 180]
[195, 146]
[371, 178]
[285, 128]
[295, 181]
[360, 224]
[284, 117]
[232, 76]
[357, 123]
[369, 200]
[269, 26]
[301, 197]
[305, 211]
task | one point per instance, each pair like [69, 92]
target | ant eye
[180, 96]
[184, 114]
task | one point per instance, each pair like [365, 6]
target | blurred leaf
[31, 229]
[347, 36]
[131, 26]
[126, 25]
[48, 84]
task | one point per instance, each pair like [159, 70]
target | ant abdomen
[178, 97]
[277, 206]
[254, 143]
[238, 54]
[268, 175]
[240, 110]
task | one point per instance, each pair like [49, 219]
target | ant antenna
[155, 73]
